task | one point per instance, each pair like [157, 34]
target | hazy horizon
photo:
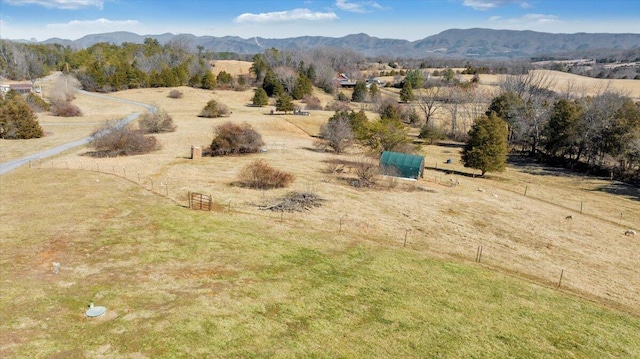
[402, 19]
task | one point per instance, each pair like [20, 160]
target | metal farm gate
[200, 201]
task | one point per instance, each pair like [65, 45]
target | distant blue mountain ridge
[459, 43]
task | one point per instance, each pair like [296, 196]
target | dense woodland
[598, 133]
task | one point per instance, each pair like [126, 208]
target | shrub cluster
[214, 109]
[156, 122]
[36, 103]
[112, 140]
[259, 174]
[432, 133]
[232, 138]
[366, 169]
[337, 106]
[64, 108]
[175, 94]
[312, 102]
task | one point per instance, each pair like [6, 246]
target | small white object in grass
[630, 232]
[56, 267]
[495, 195]
[96, 311]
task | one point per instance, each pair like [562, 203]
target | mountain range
[460, 43]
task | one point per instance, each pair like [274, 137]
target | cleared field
[335, 281]
[233, 67]
[581, 85]
[181, 283]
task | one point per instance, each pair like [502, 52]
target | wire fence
[551, 274]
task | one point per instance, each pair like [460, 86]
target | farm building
[404, 165]
[343, 81]
[22, 88]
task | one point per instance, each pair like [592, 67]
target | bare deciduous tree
[534, 88]
[428, 101]
[287, 76]
[337, 134]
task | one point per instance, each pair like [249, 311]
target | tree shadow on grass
[454, 172]
[531, 166]
[458, 145]
[620, 189]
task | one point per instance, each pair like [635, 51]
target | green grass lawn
[181, 283]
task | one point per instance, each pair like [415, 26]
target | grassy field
[335, 281]
[181, 283]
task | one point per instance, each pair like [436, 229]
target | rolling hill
[467, 43]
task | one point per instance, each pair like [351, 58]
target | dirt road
[11, 165]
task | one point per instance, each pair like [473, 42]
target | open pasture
[386, 272]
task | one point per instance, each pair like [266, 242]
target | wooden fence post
[560, 281]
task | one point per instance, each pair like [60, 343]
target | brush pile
[295, 202]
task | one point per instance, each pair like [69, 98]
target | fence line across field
[161, 186]
[342, 225]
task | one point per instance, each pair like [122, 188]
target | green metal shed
[407, 166]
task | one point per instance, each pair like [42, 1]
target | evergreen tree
[624, 131]
[259, 68]
[386, 134]
[357, 121]
[302, 87]
[17, 119]
[271, 85]
[391, 111]
[487, 147]
[448, 75]
[507, 106]
[406, 94]
[195, 81]
[415, 78]
[359, 92]
[260, 98]
[560, 132]
[209, 81]
[224, 78]
[310, 73]
[374, 92]
[167, 78]
[284, 103]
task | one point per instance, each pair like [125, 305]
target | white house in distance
[22, 88]
[344, 81]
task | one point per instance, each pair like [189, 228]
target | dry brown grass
[60, 130]
[580, 84]
[526, 236]
[232, 67]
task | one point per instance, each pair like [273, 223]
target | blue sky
[400, 19]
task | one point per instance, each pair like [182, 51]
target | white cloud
[59, 4]
[358, 7]
[83, 27]
[535, 22]
[491, 4]
[540, 18]
[286, 16]
[525, 5]
[72, 30]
